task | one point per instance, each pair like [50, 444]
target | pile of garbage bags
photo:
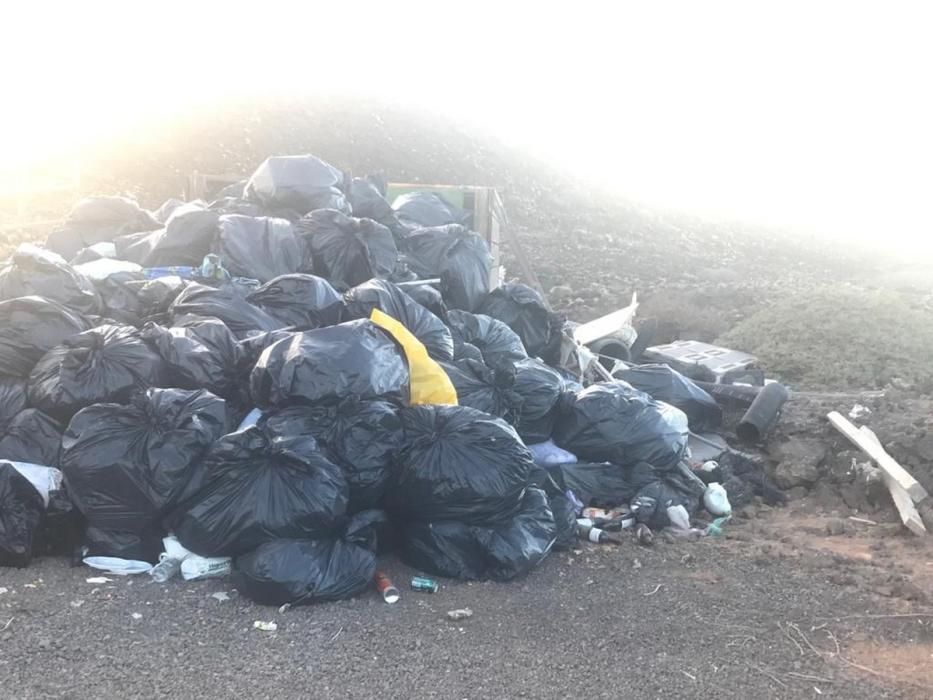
[269, 378]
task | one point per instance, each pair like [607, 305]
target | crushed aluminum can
[424, 584]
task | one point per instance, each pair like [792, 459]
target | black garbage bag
[166, 209]
[250, 348]
[356, 358]
[744, 476]
[499, 550]
[120, 294]
[12, 401]
[202, 354]
[298, 183]
[260, 487]
[35, 271]
[523, 310]
[98, 251]
[97, 219]
[301, 572]
[184, 240]
[156, 296]
[127, 467]
[33, 437]
[458, 464]
[668, 385]
[565, 522]
[458, 256]
[360, 301]
[228, 303]
[614, 422]
[300, 300]
[21, 509]
[367, 200]
[429, 297]
[29, 328]
[260, 247]
[651, 502]
[540, 389]
[61, 531]
[467, 351]
[421, 209]
[362, 437]
[603, 485]
[499, 344]
[234, 189]
[105, 364]
[488, 390]
[236, 205]
[345, 250]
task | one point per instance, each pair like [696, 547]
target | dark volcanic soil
[733, 618]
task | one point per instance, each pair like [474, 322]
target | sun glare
[815, 116]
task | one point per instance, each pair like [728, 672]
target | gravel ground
[684, 619]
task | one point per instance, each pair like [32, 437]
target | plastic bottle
[165, 569]
[195, 568]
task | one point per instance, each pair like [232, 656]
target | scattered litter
[655, 590]
[4, 589]
[29, 585]
[386, 588]
[99, 579]
[263, 626]
[136, 616]
[643, 535]
[8, 623]
[460, 614]
[118, 566]
[716, 528]
[859, 411]
[220, 595]
[422, 584]
[716, 501]
[864, 521]
[77, 603]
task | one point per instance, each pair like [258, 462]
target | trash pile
[290, 380]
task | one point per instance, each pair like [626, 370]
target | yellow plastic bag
[429, 382]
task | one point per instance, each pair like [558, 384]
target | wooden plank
[902, 501]
[879, 456]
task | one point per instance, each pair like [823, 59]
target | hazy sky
[812, 114]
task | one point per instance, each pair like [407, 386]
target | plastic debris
[459, 614]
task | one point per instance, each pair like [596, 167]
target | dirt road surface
[758, 614]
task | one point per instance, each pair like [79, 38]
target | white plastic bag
[45, 479]
[716, 501]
